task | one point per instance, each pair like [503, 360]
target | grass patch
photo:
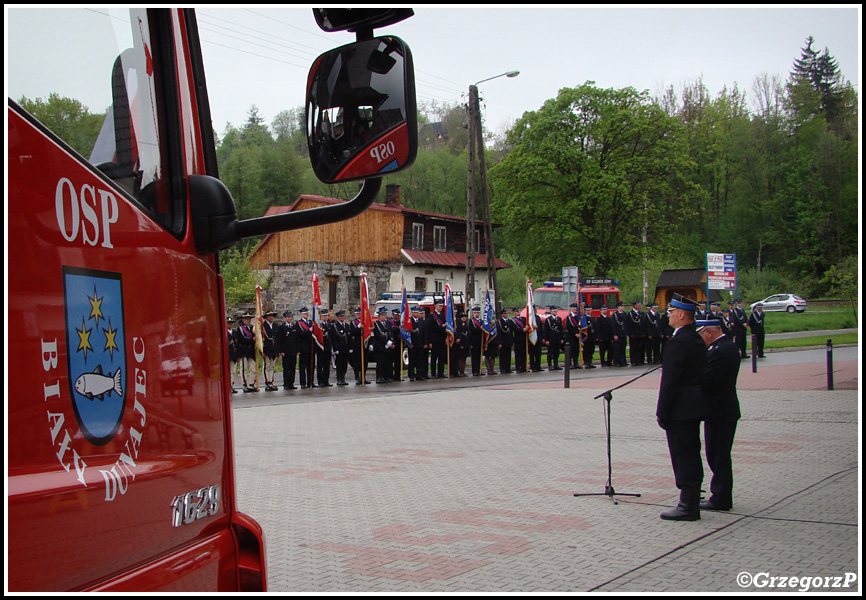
[820, 340]
[826, 318]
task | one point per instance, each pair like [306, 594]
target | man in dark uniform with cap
[305, 349]
[288, 337]
[604, 337]
[572, 334]
[359, 358]
[620, 334]
[271, 350]
[635, 327]
[518, 332]
[652, 333]
[756, 324]
[702, 313]
[383, 342]
[246, 341]
[233, 351]
[476, 338]
[738, 316]
[340, 343]
[436, 334]
[682, 406]
[553, 333]
[323, 354]
[719, 386]
[506, 339]
[589, 338]
[417, 356]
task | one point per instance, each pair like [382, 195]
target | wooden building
[390, 242]
[691, 283]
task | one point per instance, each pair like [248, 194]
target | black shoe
[710, 505]
[249, 389]
[234, 391]
[688, 508]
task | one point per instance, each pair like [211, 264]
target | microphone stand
[608, 396]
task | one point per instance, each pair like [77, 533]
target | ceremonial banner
[366, 315]
[530, 315]
[488, 323]
[258, 326]
[449, 315]
[405, 320]
[318, 334]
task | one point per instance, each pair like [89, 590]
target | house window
[440, 285]
[417, 236]
[420, 284]
[439, 238]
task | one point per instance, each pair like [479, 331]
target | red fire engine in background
[595, 291]
[120, 472]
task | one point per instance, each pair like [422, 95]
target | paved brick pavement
[394, 490]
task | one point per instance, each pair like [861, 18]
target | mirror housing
[359, 19]
[361, 117]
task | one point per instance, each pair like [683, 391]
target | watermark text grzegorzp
[802, 583]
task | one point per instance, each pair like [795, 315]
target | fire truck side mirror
[361, 117]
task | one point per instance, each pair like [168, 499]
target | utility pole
[471, 250]
[478, 198]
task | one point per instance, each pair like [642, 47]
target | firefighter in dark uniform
[397, 350]
[619, 320]
[271, 350]
[553, 336]
[719, 386]
[506, 339]
[635, 327]
[573, 333]
[475, 340]
[288, 336]
[383, 342]
[535, 349]
[738, 315]
[436, 334]
[702, 313]
[341, 343]
[305, 349]
[246, 342]
[682, 406]
[417, 361]
[652, 335]
[756, 324]
[588, 338]
[356, 329]
[604, 337]
[517, 326]
[323, 354]
[233, 351]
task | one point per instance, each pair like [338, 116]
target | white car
[779, 302]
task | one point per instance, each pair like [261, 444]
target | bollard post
[830, 364]
[566, 372]
[754, 354]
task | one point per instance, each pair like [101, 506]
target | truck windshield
[87, 75]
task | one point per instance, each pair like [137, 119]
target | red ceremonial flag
[318, 334]
[366, 315]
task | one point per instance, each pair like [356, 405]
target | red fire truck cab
[595, 292]
[120, 470]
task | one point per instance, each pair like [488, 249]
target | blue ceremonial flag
[405, 320]
[449, 315]
[488, 323]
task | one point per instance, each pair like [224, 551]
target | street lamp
[476, 138]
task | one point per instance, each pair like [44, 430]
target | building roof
[448, 259]
[681, 277]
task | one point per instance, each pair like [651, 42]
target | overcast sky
[261, 55]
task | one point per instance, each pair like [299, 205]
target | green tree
[240, 280]
[587, 174]
[68, 118]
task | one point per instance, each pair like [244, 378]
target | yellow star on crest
[83, 339]
[110, 343]
[96, 306]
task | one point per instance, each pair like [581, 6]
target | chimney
[392, 194]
